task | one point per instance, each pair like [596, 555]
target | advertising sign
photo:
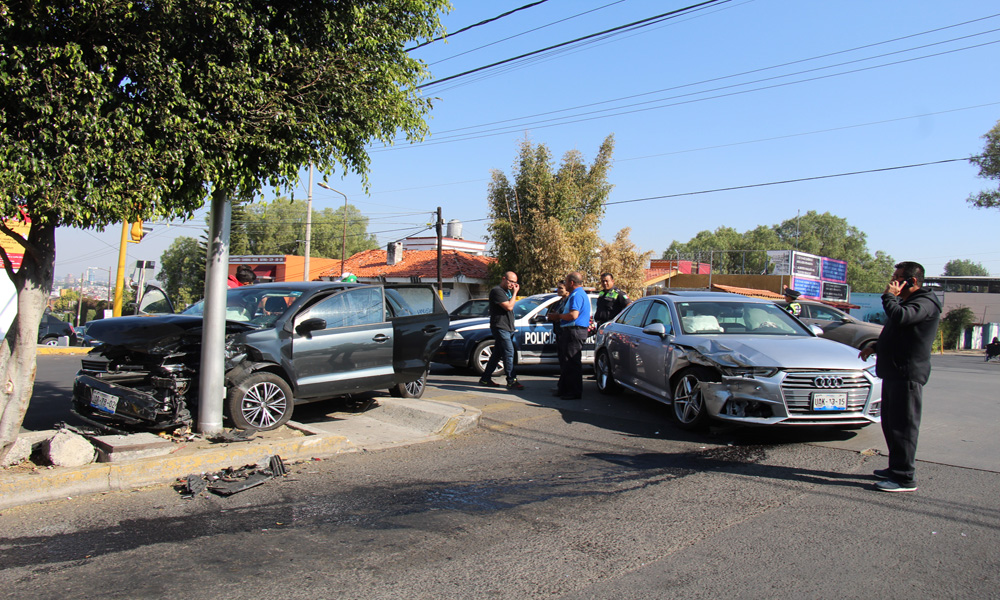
[836, 292]
[834, 270]
[806, 265]
[810, 288]
[782, 261]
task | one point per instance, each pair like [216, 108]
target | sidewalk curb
[63, 350]
[435, 418]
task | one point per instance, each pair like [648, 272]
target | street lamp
[343, 243]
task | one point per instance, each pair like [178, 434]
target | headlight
[749, 372]
[452, 335]
[871, 371]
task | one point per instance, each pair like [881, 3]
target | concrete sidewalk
[393, 422]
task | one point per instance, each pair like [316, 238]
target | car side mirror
[816, 329]
[656, 329]
[310, 325]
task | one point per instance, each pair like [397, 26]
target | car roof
[704, 295]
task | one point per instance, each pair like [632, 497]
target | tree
[544, 224]
[963, 267]
[116, 111]
[182, 271]
[821, 234]
[954, 324]
[623, 260]
[278, 227]
[988, 162]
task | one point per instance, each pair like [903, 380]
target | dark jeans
[503, 347]
[560, 353]
[901, 405]
[571, 378]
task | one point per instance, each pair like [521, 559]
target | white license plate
[103, 401]
[829, 401]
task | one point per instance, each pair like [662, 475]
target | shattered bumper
[796, 398]
[125, 401]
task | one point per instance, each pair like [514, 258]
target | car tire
[262, 401]
[867, 343]
[606, 383]
[688, 404]
[481, 355]
[50, 341]
[413, 389]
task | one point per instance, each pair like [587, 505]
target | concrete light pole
[343, 243]
[309, 220]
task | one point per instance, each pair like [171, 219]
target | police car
[469, 343]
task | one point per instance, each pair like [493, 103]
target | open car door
[419, 323]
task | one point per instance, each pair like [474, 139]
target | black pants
[571, 378]
[902, 401]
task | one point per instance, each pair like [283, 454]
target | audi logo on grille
[828, 381]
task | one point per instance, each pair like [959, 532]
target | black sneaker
[882, 474]
[889, 485]
[488, 383]
[514, 385]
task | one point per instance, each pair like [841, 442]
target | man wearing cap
[791, 296]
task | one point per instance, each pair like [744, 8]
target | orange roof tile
[423, 263]
[752, 292]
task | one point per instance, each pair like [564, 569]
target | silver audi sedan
[715, 355]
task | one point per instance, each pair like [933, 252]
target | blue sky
[731, 95]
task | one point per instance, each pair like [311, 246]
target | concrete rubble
[68, 449]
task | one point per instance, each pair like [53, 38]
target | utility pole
[309, 220]
[79, 304]
[439, 239]
[343, 243]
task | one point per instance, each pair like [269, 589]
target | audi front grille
[797, 389]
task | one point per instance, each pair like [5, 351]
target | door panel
[352, 353]
[419, 321]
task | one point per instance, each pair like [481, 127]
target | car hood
[776, 351]
[153, 335]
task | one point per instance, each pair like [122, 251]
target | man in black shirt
[502, 299]
[903, 362]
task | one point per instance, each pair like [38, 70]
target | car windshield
[253, 306]
[526, 305]
[739, 318]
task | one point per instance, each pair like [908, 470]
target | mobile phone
[908, 283]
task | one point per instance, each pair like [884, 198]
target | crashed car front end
[814, 383]
[144, 376]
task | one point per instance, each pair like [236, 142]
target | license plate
[829, 401]
[103, 401]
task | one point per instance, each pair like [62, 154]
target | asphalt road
[600, 498]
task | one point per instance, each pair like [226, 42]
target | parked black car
[51, 328]
[837, 325]
[472, 309]
[286, 343]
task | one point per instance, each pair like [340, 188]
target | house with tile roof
[463, 274]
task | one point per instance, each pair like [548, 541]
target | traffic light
[138, 231]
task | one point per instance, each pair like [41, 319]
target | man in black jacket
[903, 362]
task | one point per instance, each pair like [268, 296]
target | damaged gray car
[286, 343]
[714, 355]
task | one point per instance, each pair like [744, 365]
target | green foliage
[544, 224]
[182, 271]
[964, 267]
[116, 111]
[954, 324]
[623, 260]
[821, 234]
[278, 227]
[988, 162]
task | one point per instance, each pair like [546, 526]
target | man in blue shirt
[574, 322]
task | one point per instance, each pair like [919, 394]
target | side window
[633, 314]
[411, 300]
[361, 306]
[818, 312]
[658, 313]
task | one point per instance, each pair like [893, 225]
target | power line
[620, 110]
[636, 24]
[479, 24]
[586, 12]
[743, 73]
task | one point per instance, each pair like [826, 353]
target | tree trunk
[18, 350]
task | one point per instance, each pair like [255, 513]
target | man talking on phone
[903, 362]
